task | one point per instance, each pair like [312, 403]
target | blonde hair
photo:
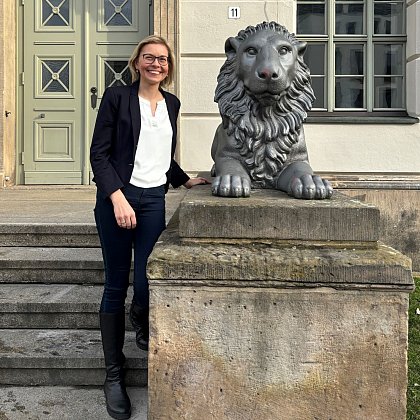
[152, 39]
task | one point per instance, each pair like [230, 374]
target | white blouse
[153, 154]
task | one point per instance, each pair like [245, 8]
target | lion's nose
[266, 74]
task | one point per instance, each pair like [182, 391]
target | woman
[131, 155]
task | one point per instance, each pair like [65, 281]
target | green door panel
[71, 46]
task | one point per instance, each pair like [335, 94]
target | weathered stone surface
[256, 328]
[268, 264]
[269, 214]
[250, 353]
[400, 217]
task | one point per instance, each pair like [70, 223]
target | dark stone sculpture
[264, 93]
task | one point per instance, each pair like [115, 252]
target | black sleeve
[105, 175]
[178, 176]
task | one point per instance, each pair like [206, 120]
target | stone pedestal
[276, 308]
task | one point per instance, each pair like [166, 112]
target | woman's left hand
[196, 181]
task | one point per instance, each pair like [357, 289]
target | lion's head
[264, 93]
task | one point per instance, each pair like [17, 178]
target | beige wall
[198, 30]
[380, 148]
[203, 28]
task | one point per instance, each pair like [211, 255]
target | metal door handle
[93, 97]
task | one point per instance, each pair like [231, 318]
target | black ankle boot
[139, 318]
[113, 330]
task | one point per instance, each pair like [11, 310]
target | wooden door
[72, 48]
[116, 29]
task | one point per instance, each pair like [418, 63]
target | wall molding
[373, 181]
[166, 24]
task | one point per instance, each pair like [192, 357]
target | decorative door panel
[70, 47]
[54, 76]
[52, 92]
[121, 24]
[53, 14]
[119, 16]
[113, 71]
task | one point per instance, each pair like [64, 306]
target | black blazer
[116, 135]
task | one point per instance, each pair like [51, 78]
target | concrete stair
[59, 306]
[49, 235]
[51, 265]
[50, 290]
[62, 357]
[51, 276]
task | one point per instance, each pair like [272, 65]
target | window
[356, 53]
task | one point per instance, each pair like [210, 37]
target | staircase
[51, 276]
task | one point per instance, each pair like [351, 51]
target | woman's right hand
[124, 213]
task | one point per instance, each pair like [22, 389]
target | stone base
[247, 353]
[258, 329]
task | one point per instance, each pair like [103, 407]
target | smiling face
[155, 73]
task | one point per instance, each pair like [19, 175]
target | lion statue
[264, 93]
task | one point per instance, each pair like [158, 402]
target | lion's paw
[231, 186]
[310, 187]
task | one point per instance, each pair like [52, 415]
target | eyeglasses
[150, 59]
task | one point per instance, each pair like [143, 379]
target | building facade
[57, 57]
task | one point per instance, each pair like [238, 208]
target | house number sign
[234, 12]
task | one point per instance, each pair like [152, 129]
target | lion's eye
[284, 50]
[251, 51]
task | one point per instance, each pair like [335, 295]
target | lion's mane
[264, 134]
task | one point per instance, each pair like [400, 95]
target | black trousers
[117, 244]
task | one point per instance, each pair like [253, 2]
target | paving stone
[65, 403]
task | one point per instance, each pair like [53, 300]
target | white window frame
[368, 39]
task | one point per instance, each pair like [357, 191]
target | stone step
[81, 235]
[66, 403]
[51, 265]
[51, 306]
[56, 218]
[63, 357]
